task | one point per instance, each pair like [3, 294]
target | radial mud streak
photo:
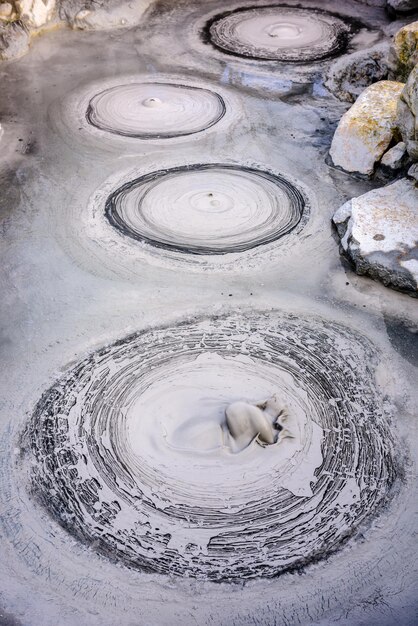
[280, 33]
[206, 209]
[155, 110]
[129, 454]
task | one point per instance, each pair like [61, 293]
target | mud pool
[156, 268]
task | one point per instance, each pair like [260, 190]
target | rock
[6, 11]
[35, 13]
[413, 172]
[407, 114]
[102, 14]
[379, 233]
[352, 73]
[404, 51]
[395, 158]
[402, 6]
[14, 40]
[367, 128]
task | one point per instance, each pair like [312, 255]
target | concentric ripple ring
[280, 33]
[206, 209]
[154, 110]
[126, 453]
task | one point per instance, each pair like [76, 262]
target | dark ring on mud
[98, 120]
[220, 32]
[282, 220]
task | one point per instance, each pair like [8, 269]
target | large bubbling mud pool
[167, 251]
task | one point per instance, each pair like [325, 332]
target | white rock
[394, 158]
[35, 13]
[367, 128]
[6, 10]
[379, 233]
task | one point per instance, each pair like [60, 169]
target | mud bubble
[206, 209]
[155, 110]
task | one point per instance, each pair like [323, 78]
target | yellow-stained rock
[405, 49]
[367, 128]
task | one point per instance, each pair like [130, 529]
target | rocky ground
[378, 134]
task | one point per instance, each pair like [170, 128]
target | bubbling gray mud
[206, 209]
[152, 110]
[280, 33]
[128, 110]
[126, 451]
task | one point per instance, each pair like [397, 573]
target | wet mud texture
[193, 516]
[207, 209]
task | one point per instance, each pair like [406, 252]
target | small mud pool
[206, 208]
[155, 110]
[168, 252]
[280, 33]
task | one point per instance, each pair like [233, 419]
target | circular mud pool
[206, 209]
[127, 452]
[280, 33]
[155, 110]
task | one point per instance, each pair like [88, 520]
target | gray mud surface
[81, 300]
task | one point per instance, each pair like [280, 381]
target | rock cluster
[20, 18]
[379, 230]
[383, 114]
[352, 73]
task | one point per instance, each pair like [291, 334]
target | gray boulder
[352, 73]
[379, 234]
[403, 6]
[407, 114]
[14, 40]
